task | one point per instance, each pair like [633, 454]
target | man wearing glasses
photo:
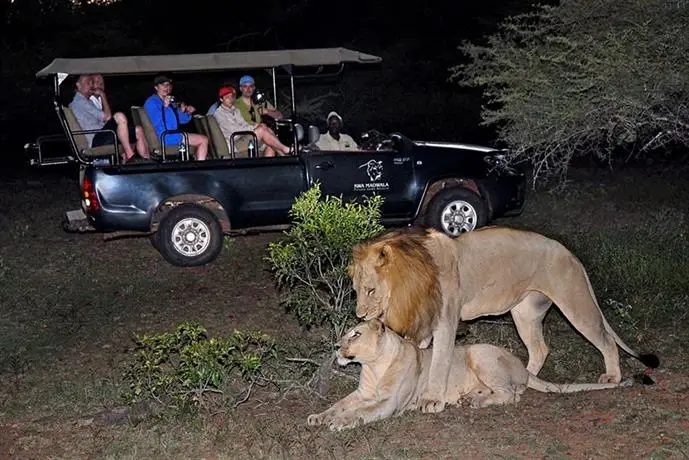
[245, 104]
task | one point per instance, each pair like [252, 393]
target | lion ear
[384, 256]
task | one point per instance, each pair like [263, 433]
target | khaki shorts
[241, 146]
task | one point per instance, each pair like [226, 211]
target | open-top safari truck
[281, 64]
[185, 206]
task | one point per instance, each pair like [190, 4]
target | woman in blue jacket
[166, 115]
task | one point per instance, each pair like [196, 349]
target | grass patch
[72, 303]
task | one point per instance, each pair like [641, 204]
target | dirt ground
[69, 304]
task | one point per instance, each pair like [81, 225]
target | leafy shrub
[558, 85]
[179, 369]
[311, 263]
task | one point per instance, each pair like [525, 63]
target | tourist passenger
[92, 117]
[252, 112]
[230, 121]
[166, 114]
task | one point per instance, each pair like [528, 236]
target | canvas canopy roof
[207, 62]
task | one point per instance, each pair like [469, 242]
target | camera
[259, 96]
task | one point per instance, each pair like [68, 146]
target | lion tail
[647, 359]
[549, 387]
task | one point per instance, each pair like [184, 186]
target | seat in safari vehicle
[155, 148]
[78, 141]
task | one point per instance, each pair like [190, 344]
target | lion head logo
[374, 169]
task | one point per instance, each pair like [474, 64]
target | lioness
[422, 283]
[395, 372]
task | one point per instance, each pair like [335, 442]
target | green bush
[311, 263]
[179, 369]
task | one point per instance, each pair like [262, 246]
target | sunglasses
[252, 113]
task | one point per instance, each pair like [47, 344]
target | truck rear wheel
[189, 235]
[457, 210]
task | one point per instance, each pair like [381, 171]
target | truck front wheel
[189, 235]
[457, 210]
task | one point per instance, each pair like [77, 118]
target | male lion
[395, 372]
[422, 283]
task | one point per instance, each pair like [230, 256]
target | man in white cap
[334, 139]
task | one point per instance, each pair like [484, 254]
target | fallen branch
[303, 360]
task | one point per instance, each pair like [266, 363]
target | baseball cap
[246, 80]
[225, 90]
[333, 114]
[160, 79]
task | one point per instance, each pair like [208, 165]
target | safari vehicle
[186, 206]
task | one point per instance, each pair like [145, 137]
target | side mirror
[397, 142]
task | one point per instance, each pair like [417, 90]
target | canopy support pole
[275, 88]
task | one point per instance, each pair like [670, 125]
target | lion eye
[370, 292]
[356, 334]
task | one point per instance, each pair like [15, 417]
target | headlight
[496, 159]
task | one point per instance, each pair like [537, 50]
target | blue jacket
[165, 119]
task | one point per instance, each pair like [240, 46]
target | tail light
[89, 197]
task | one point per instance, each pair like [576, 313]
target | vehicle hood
[457, 146]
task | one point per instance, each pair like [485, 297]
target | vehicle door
[356, 174]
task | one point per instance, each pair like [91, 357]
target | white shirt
[327, 142]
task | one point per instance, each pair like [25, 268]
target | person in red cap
[231, 120]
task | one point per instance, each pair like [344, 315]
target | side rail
[253, 153]
[183, 148]
[37, 151]
[97, 160]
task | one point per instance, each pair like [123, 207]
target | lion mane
[410, 279]
[414, 302]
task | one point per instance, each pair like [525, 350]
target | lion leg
[528, 318]
[592, 327]
[500, 377]
[577, 301]
[487, 397]
[344, 404]
[433, 398]
[363, 413]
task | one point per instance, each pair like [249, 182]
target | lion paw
[343, 423]
[431, 406]
[476, 402]
[315, 419]
[425, 343]
[609, 378]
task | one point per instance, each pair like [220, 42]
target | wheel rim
[458, 216]
[191, 237]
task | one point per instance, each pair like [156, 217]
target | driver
[252, 112]
[334, 139]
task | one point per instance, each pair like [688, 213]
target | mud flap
[76, 222]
